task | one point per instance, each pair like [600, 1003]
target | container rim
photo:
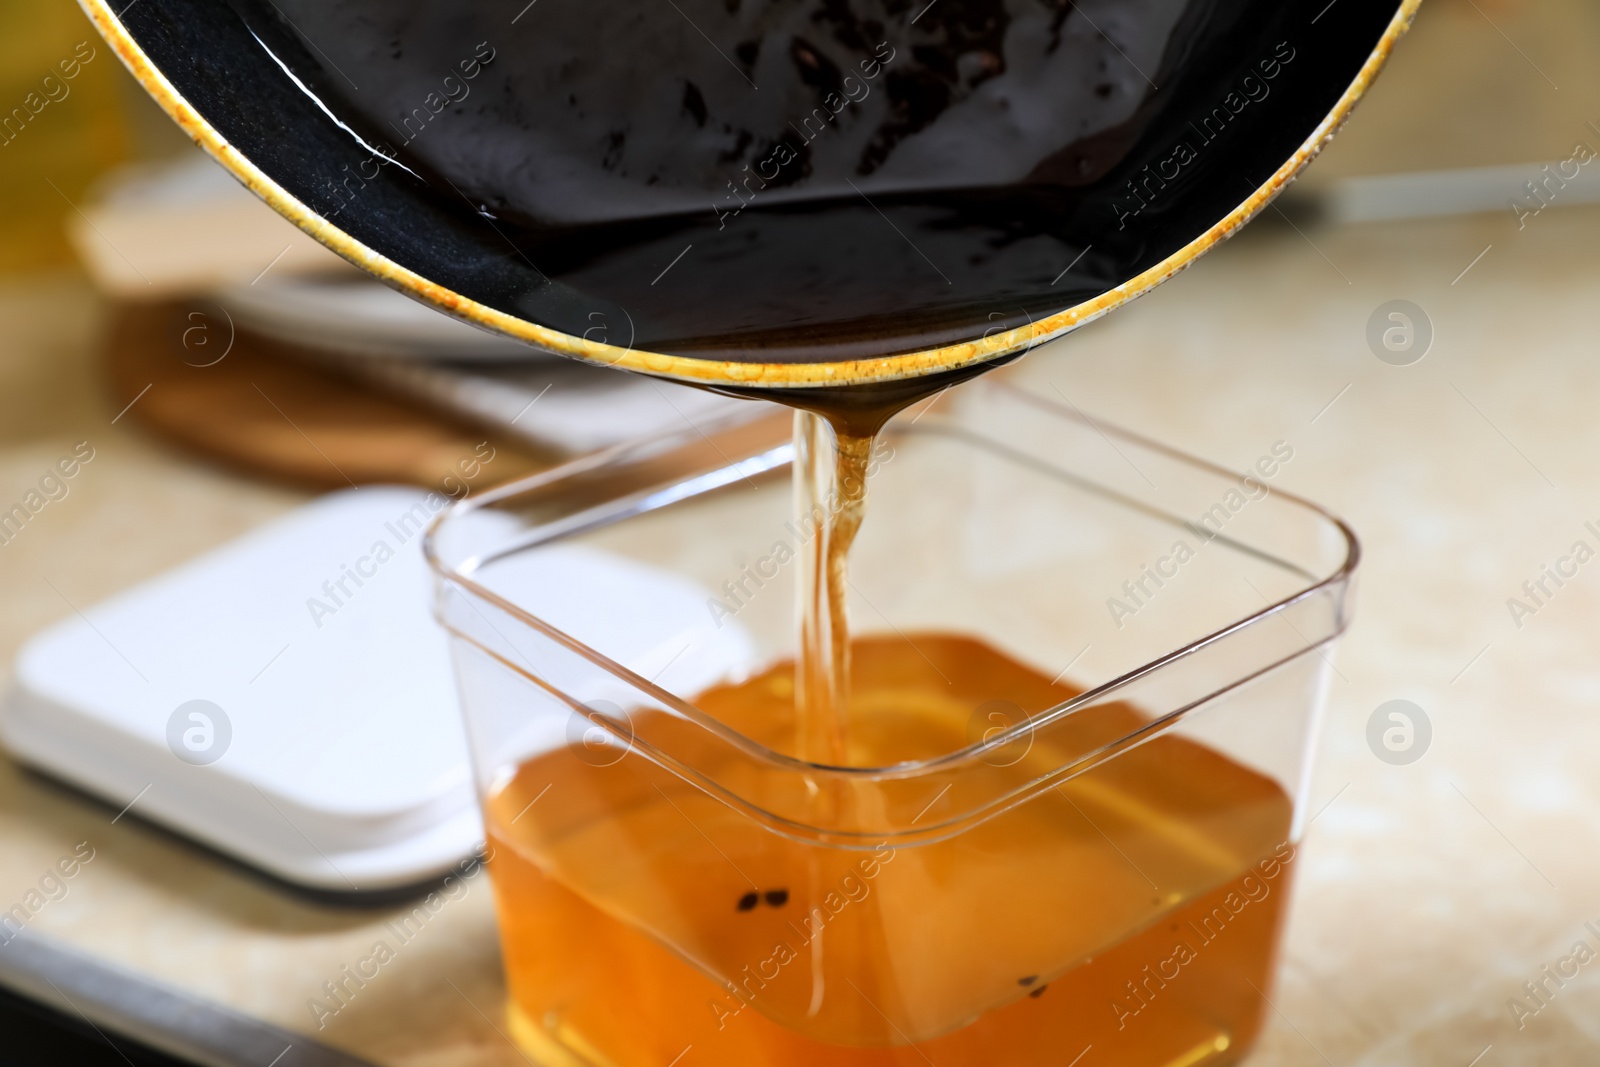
[727, 372]
[772, 460]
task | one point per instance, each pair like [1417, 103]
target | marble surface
[1428, 893]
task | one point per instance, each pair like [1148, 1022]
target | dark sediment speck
[694, 103]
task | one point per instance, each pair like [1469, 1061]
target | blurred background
[225, 370]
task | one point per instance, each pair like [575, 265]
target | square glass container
[1079, 835]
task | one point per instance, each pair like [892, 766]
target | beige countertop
[1429, 893]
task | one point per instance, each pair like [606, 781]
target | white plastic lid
[288, 699]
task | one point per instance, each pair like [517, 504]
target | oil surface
[1135, 908]
[767, 181]
[795, 181]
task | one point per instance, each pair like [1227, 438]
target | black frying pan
[779, 194]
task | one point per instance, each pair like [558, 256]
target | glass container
[1077, 833]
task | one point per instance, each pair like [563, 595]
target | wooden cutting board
[185, 373]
